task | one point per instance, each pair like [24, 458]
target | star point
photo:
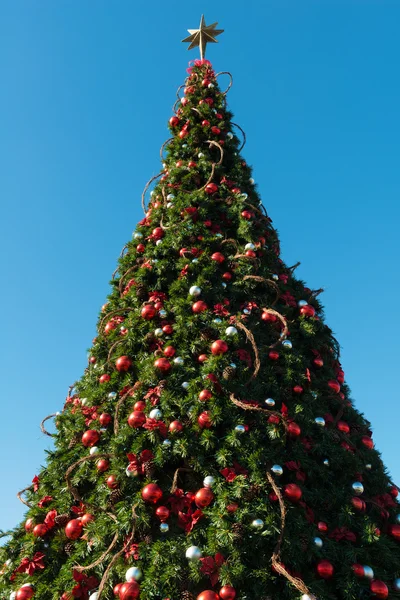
[204, 35]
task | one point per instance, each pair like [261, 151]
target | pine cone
[252, 492]
[149, 468]
[208, 334]
[61, 520]
[141, 291]
[148, 539]
[115, 496]
[238, 530]
[74, 440]
[186, 596]
[69, 548]
[149, 337]
[228, 373]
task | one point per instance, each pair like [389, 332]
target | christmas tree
[211, 449]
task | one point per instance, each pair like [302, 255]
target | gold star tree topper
[202, 36]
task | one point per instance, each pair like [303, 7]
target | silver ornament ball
[326, 462]
[193, 553]
[240, 429]
[302, 303]
[155, 414]
[275, 277]
[257, 524]
[167, 443]
[396, 584]
[130, 473]
[209, 481]
[133, 574]
[277, 470]
[249, 246]
[164, 527]
[185, 385]
[170, 197]
[137, 235]
[368, 572]
[398, 519]
[112, 395]
[320, 421]
[178, 361]
[318, 542]
[231, 331]
[217, 320]
[158, 332]
[200, 155]
[162, 313]
[251, 181]
[358, 488]
[270, 402]
[229, 135]
[195, 290]
[93, 450]
[287, 344]
[368, 466]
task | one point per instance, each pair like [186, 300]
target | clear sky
[86, 91]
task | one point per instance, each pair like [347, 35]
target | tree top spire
[202, 36]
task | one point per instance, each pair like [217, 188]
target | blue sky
[87, 89]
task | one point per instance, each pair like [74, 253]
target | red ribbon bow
[152, 424]
[29, 566]
[210, 566]
[84, 585]
[230, 473]
[188, 520]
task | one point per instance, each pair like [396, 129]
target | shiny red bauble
[394, 531]
[367, 441]
[215, 130]
[358, 570]
[325, 569]
[204, 420]
[293, 430]
[139, 405]
[175, 426]
[169, 351]
[394, 492]
[218, 257]
[174, 121]
[129, 591]
[163, 365]
[29, 524]
[273, 355]
[297, 389]
[246, 214]
[202, 358]
[158, 233]
[148, 312]
[73, 529]
[136, 419]
[183, 133]
[266, 316]
[219, 347]
[92, 360]
[227, 593]
[199, 307]
[110, 326]
[25, 593]
[318, 362]
[334, 385]
[105, 419]
[227, 276]
[40, 530]
[208, 595]
[152, 493]
[292, 492]
[117, 589]
[205, 395]
[90, 438]
[104, 378]
[203, 497]
[211, 188]
[307, 310]
[140, 248]
[123, 364]
[112, 482]
[379, 589]
[232, 507]
[102, 465]
[86, 518]
[162, 513]
[343, 426]
[250, 254]
[167, 329]
[205, 123]
[322, 526]
[358, 504]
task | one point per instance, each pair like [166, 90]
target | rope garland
[21, 499]
[285, 331]
[266, 411]
[269, 282]
[243, 134]
[118, 406]
[146, 187]
[250, 337]
[98, 562]
[175, 479]
[230, 82]
[43, 422]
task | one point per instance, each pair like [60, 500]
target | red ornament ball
[105, 419]
[40, 530]
[394, 492]
[208, 595]
[273, 355]
[152, 493]
[359, 504]
[203, 497]
[367, 441]
[325, 569]
[136, 419]
[92, 360]
[162, 513]
[227, 593]
[232, 508]
[307, 310]
[343, 426]
[169, 351]
[25, 593]
[297, 389]
[109, 327]
[123, 364]
[293, 430]
[29, 524]
[246, 214]
[117, 589]
[112, 482]
[74, 528]
[104, 378]
[158, 233]
[163, 365]
[205, 395]
[168, 329]
[199, 307]
[102, 465]
[148, 312]
[175, 426]
[86, 518]
[227, 276]
[322, 526]
[204, 420]
[129, 591]
[90, 438]
[292, 492]
[218, 257]
[139, 405]
[394, 531]
[174, 121]
[334, 385]
[211, 188]
[140, 248]
[219, 347]
[202, 358]
[266, 316]
[318, 362]
[205, 123]
[379, 589]
[358, 570]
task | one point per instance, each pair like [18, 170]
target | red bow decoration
[146, 222]
[29, 566]
[230, 473]
[184, 271]
[152, 424]
[131, 549]
[210, 566]
[126, 389]
[79, 509]
[309, 512]
[342, 533]
[307, 443]
[50, 519]
[188, 520]
[157, 296]
[179, 501]
[293, 465]
[84, 585]
[136, 461]
[288, 299]
[244, 356]
[90, 412]
[220, 310]
[284, 278]
[154, 395]
[35, 482]
[214, 379]
[200, 62]
[45, 501]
